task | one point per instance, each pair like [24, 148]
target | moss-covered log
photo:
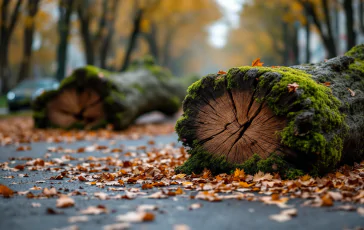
[91, 97]
[292, 120]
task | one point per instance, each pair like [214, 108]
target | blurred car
[23, 94]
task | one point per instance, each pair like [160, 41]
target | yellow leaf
[245, 184]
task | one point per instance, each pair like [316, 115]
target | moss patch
[201, 159]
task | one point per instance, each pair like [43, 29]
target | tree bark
[84, 18]
[25, 66]
[6, 29]
[109, 27]
[151, 39]
[91, 98]
[292, 120]
[308, 39]
[361, 15]
[351, 35]
[327, 39]
[330, 37]
[65, 11]
[132, 39]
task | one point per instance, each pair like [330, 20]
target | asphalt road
[18, 213]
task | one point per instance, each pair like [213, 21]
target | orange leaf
[257, 62]
[327, 201]
[292, 87]
[221, 72]
[5, 191]
[326, 83]
[245, 185]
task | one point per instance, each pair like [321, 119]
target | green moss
[201, 159]
[356, 52]
[193, 89]
[139, 88]
[357, 66]
[171, 106]
[294, 173]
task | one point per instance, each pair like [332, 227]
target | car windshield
[35, 84]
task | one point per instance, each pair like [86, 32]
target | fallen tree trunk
[292, 120]
[91, 98]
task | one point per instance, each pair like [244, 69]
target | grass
[3, 102]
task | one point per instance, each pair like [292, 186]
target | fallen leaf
[81, 178]
[292, 87]
[346, 207]
[157, 195]
[352, 93]
[147, 207]
[360, 210]
[260, 176]
[75, 219]
[326, 84]
[24, 148]
[181, 227]
[50, 192]
[257, 62]
[117, 226]
[36, 205]
[101, 195]
[5, 191]
[244, 184]
[135, 217]
[327, 201]
[94, 210]
[195, 206]
[284, 215]
[221, 72]
[65, 202]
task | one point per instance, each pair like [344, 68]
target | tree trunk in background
[151, 39]
[308, 39]
[84, 18]
[336, 22]
[132, 39]
[109, 27]
[286, 43]
[295, 48]
[65, 11]
[351, 36]
[330, 37]
[361, 15]
[25, 67]
[6, 29]
[167, 48]
[327, 39]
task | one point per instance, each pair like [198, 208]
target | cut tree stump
[292, 120]
[92, 98]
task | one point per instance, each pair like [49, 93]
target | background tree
[348, 8]
[7, 24]
[29, 27]
[65, 10]
[96, 27]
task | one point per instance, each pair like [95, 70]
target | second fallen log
[91, 98]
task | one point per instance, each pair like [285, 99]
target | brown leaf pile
[148, 172]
